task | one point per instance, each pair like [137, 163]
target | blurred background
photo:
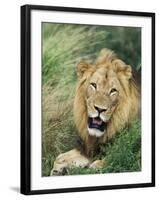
[63, 46]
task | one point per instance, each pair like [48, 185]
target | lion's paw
[97, 164]
[64, 161]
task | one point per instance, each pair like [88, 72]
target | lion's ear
[123, 69]
[82, 67]
[125, 72]
[128, 72]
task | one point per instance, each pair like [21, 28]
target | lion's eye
[94, 85]
[113, 91]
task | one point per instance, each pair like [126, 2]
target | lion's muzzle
[96, 126]
[96, 123]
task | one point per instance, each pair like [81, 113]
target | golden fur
[120, 107]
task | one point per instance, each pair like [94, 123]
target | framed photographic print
[87, 99]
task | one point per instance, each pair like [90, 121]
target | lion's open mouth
[96, 123]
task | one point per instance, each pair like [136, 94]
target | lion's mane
[128, 106]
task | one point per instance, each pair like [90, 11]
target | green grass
[122, 154]
[63, 47]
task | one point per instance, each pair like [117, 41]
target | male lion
[106, 100]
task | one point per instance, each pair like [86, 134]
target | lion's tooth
[98, 122]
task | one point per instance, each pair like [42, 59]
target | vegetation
[63, 47]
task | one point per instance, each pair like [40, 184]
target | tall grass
[63, 46]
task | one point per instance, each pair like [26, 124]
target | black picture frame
[26, 98]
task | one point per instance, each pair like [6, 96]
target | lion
[106, 100]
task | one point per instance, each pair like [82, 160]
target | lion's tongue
[97, 121]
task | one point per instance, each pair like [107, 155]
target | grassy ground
[63, 47]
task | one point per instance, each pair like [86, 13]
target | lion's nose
[100, 110]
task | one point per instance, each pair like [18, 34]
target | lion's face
[101, 99]
[106, 97]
